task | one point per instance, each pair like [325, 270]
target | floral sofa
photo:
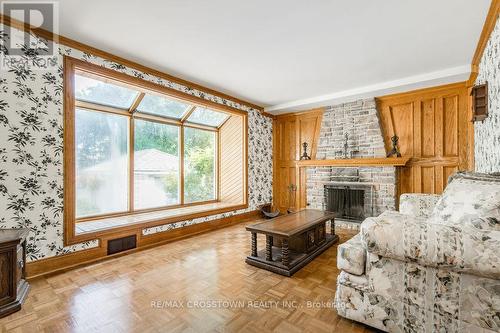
[434, 266]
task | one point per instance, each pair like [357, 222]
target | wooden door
[433, 129]
[290, 131]
[285, 157]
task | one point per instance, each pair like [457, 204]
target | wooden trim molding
[384, 161]
[409, 93]
[489, 25]
[81, 258]
[471, 158]
[309, 112]
[4, 19]
[68, 150]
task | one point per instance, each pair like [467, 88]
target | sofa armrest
[417, 204]
[351, 256]
[462, 248]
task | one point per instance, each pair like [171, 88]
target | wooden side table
[13, 285]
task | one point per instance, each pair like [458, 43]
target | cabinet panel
[427, 179]
[288, 147]
[428, 128]
[432, 125]
[450, 126]
[6, 290]
[401, 117]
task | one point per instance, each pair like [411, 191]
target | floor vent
[122, 244]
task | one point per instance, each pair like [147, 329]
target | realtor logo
[24, 49]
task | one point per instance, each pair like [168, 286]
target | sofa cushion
[351, 256]
[467, 197]
[463, 247]
[418, 204]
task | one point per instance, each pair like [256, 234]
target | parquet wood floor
[170, 288]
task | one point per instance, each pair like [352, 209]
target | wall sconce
[480, 102]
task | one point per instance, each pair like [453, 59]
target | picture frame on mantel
[480, 102]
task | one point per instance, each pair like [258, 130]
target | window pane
[156, 164]
[100, 92]
[162, 106]
[101, 163]
[207, 117]
[199, 165]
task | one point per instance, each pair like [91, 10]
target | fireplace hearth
[350, 201]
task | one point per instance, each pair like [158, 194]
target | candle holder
[304, 154]
[395, 149]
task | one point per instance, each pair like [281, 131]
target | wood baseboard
[68, 261]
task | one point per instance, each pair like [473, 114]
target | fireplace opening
[347, 202]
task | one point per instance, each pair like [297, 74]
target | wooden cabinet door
[6, 278]
[290, 131]
[432, 126]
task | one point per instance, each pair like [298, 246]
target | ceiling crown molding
[449, 75]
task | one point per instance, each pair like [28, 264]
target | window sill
[96, 228]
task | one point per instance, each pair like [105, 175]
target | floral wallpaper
[487, 133]
[31, 148]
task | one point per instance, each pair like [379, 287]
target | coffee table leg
[269, 248]
[284, 252]
[254, 244]
[332, 227]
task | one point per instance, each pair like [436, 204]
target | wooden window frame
[71, 67]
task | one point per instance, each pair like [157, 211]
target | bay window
[133, 149]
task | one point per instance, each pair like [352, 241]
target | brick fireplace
[359, 120]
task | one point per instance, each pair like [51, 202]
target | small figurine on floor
[395, 150]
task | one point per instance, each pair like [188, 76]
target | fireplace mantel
[353, 162]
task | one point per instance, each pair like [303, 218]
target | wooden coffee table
[292, 241]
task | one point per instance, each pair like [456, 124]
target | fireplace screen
[346, 202]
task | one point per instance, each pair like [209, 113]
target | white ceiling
[288, 54]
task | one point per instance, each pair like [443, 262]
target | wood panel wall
[290, 131]
[434, 129]
[232, 161]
